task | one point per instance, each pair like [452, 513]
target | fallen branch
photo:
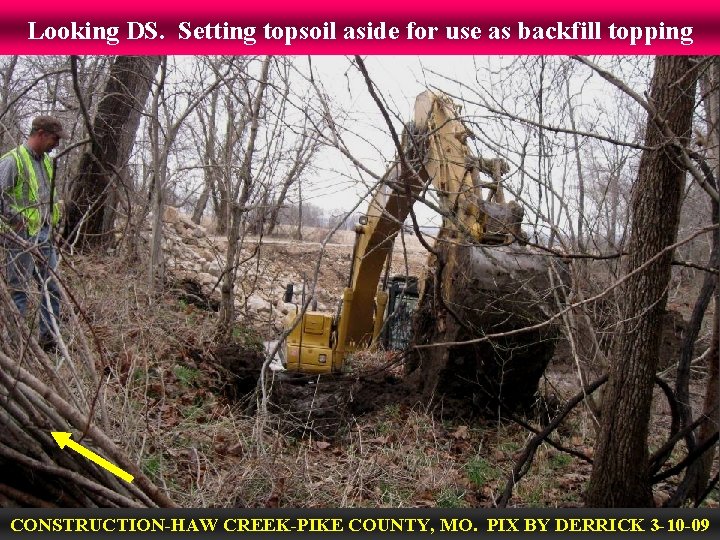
[522, 465]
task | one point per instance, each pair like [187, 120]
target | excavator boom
[434, 155]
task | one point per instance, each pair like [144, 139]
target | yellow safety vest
[25, 192]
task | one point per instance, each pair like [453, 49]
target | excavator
[476, 220]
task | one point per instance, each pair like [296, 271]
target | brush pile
[63, 391]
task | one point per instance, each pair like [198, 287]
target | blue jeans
[26, 265]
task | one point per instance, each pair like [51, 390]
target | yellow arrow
[63, 439]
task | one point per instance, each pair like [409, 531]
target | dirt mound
[322, 406]
[241, 366]
[326, 406]
[191, 292]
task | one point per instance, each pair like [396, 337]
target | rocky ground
[189, 414]
[268, 265]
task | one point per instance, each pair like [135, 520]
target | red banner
[370, 27]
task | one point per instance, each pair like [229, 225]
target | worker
[26, 222]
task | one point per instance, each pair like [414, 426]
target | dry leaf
[460, 433]
[236, 450]
[573, 478]
[322, 445]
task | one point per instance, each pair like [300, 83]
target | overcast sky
[400, 79]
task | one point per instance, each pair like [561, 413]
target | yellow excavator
[435, 155]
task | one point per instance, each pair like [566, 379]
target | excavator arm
[434, 152]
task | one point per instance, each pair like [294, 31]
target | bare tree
[240, 198]
[112, 134]
[304, 153]
[697, 476]
[161, 147]
[620, 476]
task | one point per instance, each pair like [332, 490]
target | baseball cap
[49, 124]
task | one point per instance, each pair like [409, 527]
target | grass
[248, 338]
[393, 495]
[479, 471]
[207, 451]
[451, 498]
[152, 465]
[187, 376]
[560, 461]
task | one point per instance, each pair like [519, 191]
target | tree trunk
[614, 189]
[298, 232]
[580, 176]
[156, 271]
[210, 161]
[227, 290]
[224, 184]
[202, 201]
[620, 476]
[6, 140]
[711, 403]
[114, 128]
[698, 474]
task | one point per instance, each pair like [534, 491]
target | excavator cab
[402, 300]
[309, 345]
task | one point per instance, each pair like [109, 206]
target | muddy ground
[367, 437]
[326, 406]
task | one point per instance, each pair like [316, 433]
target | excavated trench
[508, 292]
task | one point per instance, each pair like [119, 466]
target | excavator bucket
[491, 336]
